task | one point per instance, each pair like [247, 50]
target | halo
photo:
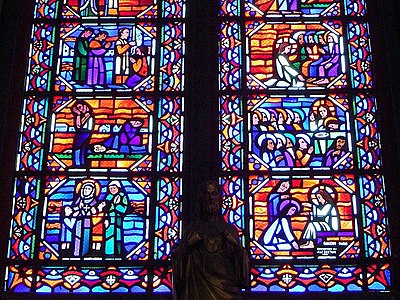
[94, 182]
[331, 107]
[280, 136]
[264, 136]
[305, 137]
[293, 202]
[329, 189]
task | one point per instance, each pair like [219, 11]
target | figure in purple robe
[330, 67]
[96, 65]
[336, 152]
[128, 140]
[280, 192]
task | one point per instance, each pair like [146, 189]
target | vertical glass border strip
[170, 134]
[24, 218]
[174, 8]
[367, 134]
[168, 225]
[360, 55]
[40, 66]
[231, 133]
[172, 57]
[230, 56]
[32, 134]
[375, 220]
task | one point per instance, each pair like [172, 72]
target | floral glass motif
[98, 184]
[301, 164]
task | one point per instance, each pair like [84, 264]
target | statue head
[210, 198]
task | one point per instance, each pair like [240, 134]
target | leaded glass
[300, 145]
[98, 184]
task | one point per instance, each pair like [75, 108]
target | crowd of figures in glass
[300, 132]
[298, 129]
[100, 150]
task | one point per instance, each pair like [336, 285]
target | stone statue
[210, 263]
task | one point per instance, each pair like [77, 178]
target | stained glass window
[97, 191]
[300, 146]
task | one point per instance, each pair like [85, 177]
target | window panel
[172, 60]
[356, 7]
[120, 138]
[230, 56]
[174, 8]
[375, 222]
[46, 9]
[233, 204]
[19, 279]
[306, 8]
[367, 134]
[287, 210]
[94, 66]
[167, 216]
[302, 110]
[87, 9]
[231, 133]
[97, 199]
[229, 7]
[292, 56]
[170, 139]
[360, 55]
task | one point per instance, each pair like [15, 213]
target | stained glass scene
[300, 218]
[301, 56]
[106, 56]
[109, 8]
[95, 218]
[311, 7]
[300, 132]
[101, 133]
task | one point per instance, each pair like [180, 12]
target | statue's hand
[231, 238]
[195, 238]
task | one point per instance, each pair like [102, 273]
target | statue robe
[213, 267]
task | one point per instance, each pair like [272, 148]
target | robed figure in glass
[117, 203]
